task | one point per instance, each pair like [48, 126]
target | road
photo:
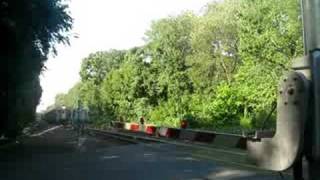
[58, 154]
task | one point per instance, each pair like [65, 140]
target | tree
[270, 38]
[215, 42]
[94, 69]
[59, 100]
[97, 65]
[168, 45]
[29, 31]
[219, 69]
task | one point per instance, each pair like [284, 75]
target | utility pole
[311, 35]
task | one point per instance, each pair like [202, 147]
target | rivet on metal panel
[291, 91]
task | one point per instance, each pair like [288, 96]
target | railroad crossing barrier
[197, 136]
[134, 127]
[188, 135]
[118, 124]
[150, 129]
[127, 126]
[205, 137]
[230, 141]
[168, 132]
[214, 138]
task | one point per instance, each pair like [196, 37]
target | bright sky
[103, 25]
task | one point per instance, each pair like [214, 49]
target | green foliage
[29, 31]
[270, 33]
[214, 41]
[270, 37]
[219, 70]
[96, 66]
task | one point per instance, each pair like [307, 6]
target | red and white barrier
[127, 126]
[169, 132]
[150, 129]
[219, 139]
[134, 127]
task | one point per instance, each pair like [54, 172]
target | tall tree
[29, 31]
[215, 42]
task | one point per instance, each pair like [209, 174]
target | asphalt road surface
[58, 154]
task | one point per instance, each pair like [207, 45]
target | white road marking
[187, 170]
[187, 158]
[110, 157]
[46, 131]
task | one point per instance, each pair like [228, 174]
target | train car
[57, 116]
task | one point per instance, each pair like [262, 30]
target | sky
[103, 25]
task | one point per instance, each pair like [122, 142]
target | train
[62, 115]
[57, 115]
